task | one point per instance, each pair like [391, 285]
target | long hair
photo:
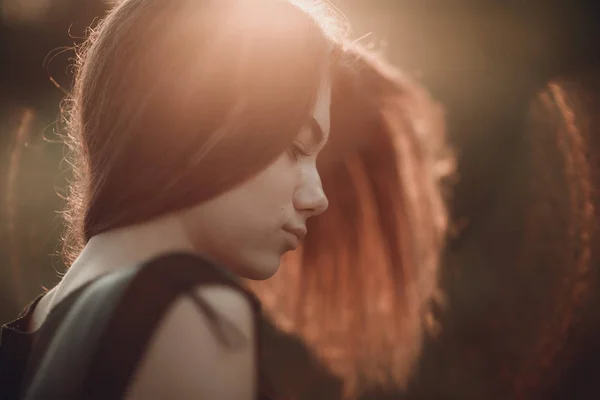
[151, 114]
[168, 93]
[359, 290]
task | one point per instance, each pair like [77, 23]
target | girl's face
[250, 227]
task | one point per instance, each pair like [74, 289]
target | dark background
[510, 326]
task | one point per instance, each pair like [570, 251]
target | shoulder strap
[149, 296]
[105, 334]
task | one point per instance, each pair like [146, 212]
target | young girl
[195, 128]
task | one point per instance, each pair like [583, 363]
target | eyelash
[296, 152]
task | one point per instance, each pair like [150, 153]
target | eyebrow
[316, 132]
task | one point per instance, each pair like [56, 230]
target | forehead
[321, 120]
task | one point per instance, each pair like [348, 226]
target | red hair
[148, 102]
[360, 289]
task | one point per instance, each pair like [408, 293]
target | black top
[91, 342]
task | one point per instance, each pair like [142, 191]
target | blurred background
[520, 82]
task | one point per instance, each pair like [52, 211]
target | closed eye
[310, 139]
[296, 152]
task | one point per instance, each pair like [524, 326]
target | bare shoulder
[187, 360]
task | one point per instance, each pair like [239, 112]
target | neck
[127, 247]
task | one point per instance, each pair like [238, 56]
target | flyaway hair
[360, 288]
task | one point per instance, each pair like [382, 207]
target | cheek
[277, 183]
[263, 202]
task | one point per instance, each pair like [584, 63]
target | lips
[298, 231]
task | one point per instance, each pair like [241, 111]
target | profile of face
[251, 226]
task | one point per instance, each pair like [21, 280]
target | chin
[262, 269]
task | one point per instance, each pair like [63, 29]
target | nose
[309, 197]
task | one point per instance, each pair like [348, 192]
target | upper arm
[186, 360]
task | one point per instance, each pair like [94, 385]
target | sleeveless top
[92, 341]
